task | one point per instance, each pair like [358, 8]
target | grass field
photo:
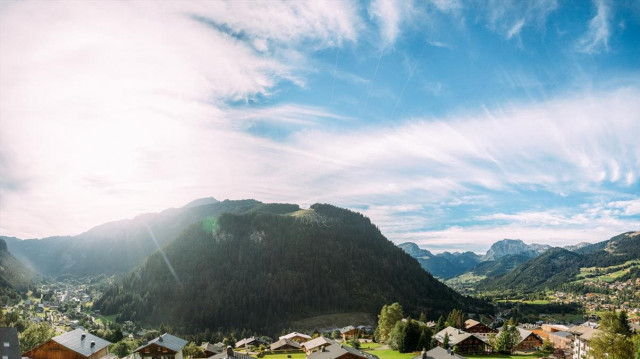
[106, 319]
[606, 274]
[504, 356]
[285, 356]
[392, 354]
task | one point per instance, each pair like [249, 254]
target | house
[528, 340]
[582, 335]
[340, 351]
[316, 344]
[474, 326]
[438, 353]
[296, 337]
[284, 345]
[9, 344]
[250, 342]
[230, 354]
[212, 349]
[349, 332]
[561, 339]
[466, 343]
[75, 344]
[165, 346]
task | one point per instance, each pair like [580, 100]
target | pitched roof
[295, 334]
[75, 341]
[166, 341]
[470, 323]
[347, 329]
[438, 353]
[284, 342]
[337, 350]
[448, 330]
[213, 348]
[314, 343]
[12, 347]
[234, 355]
[249, 341]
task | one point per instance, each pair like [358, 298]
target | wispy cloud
[390, 14]
[510, 17]
[597, 37]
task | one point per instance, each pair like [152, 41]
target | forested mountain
[500, 266]
[118, 247]
[14, 274]
[443, 265]
[261, 270]
[617, 250]
[549, 270]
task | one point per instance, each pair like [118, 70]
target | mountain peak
[201, 202]
[508, 247]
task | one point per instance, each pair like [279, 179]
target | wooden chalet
[349, 332]
[438, 353]
[296, 337]
[211, 349]
[474, 326]
[530, 340]
[285, 345]
[316, 344]
[75, 344]
[467, 343]
[339, 351]
[9, 344]
[230, 354]
[250, 342]
[165, 346]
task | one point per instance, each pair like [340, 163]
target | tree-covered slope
[14, 274]
[261, 270]
[617, 250]
[549, 270]
[117, 247]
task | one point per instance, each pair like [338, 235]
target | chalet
[250, 342]
[316, 344]
[75, 344]
[561, 339]
[466, 343]
[211, 349]
[349, 332]
[438, 353]
[339, 351]
[296, 337]
[474, 326]
[530, 340]
[9, 344]
[230, 354]
[165, 346]
[285, 345]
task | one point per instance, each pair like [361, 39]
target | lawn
[392, 354]
[369, 345]
[104, 319]
[285, 356]
[504, 356]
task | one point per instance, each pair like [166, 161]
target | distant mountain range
[511, 265]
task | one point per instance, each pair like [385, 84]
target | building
[230, 354]
[438, 353]
[466, 343]
[9, 344]
[285, 345]
[212, 349]
[165, 346]
[581, 337]
[561, 339]
[474, 326]
[339, 351]
[75, 344]
[349, 332]
[529, 340]
[316, 344]
[296, 337]
[251, 342]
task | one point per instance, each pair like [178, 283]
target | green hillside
[263, 270]
[13, 274]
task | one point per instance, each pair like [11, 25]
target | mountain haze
[14, 274]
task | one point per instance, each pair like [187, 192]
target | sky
[452, 124]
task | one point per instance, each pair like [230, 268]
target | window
[6, 344]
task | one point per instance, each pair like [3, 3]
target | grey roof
[74, 341]
[235, 355]
[562, 334]
[294, 334]
[314, 343]
[10, 336]
[439, 353]
[214, 348]
[347, 329]
[283, 342]
[166, 341]
[249, 341]
[337, 350]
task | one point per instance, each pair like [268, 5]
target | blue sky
[452, 124]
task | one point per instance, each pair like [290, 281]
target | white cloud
[389, 13]
[515, 29]
[597, 37]
[509, 17]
